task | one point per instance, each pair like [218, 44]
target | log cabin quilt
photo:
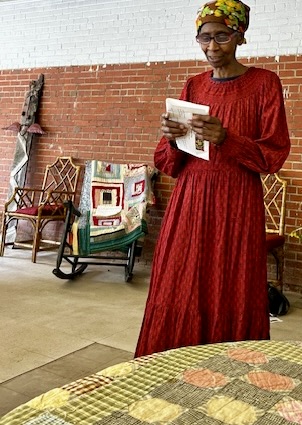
[114, 206]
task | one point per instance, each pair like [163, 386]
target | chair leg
[280, 266]
[3, 235]
[36, 243]
[278, 255]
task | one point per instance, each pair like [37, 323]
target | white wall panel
[46, 33]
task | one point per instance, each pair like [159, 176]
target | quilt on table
[114, 204]
[245, 383]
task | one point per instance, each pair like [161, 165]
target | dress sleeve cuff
[173, 144]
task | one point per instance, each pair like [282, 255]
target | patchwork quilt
[114, 206]
[245, 383]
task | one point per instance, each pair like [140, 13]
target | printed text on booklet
[182, 111]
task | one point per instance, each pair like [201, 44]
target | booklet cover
[181, 111]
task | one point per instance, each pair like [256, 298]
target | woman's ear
[240, 39]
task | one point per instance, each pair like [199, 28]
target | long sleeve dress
[209, 271]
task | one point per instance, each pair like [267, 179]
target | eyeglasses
[222, 38]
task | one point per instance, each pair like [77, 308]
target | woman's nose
[213, 45]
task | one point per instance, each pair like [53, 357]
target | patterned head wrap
[232, 13]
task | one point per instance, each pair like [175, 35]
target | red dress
[209, 272]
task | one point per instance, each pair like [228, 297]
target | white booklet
[181, 111]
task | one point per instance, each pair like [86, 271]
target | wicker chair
[274, 196]
[39, 206]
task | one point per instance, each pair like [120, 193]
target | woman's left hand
[208, 128]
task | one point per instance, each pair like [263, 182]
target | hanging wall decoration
[25, 131]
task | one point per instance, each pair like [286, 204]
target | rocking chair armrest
[73, 210]
[70, 205]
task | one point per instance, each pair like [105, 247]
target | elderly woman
[209, 273]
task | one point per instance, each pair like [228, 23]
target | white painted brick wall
[46, 33]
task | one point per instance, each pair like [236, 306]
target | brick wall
[113, 113]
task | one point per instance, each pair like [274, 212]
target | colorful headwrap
[232, 13]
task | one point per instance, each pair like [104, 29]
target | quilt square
[104, 170]
[47, 419]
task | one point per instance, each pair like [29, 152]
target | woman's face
[219, 55]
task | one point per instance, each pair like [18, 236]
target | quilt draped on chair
[113, 205]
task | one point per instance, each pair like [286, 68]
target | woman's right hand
[172, 129]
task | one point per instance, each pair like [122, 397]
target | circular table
[243, 383]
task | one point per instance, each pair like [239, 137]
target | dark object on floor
[278, 303]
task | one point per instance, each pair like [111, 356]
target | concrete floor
[54, 331]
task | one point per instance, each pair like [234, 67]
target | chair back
[61, 178]
[274, 197]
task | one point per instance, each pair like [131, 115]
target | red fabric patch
[274, 241]
[47, 210]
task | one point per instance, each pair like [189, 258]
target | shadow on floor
[86, 361]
